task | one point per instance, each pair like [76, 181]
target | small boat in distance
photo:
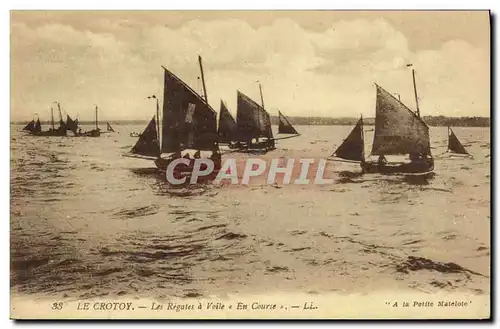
[61, 131]
[148, 144]
[285, 127]
[94, 132]
[72, 125]
[454, 145]
[398, 131]
[109, 128]
[33, 126]
[252, 130]
[135, 134]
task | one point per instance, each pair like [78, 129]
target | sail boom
[138, 156]
[343, 160]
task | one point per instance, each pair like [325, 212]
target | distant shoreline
[433, 121]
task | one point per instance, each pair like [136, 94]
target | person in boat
[414, 156]
[216, 155]
[382, 160]
[176, 155]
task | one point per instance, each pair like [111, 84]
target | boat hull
[182, 170]
[51, 133]
[92, 133]
[421, 167]
[266, 145]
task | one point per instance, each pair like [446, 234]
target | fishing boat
[60, 131]
[72, 125]
[96, 132]
[285, 127]
[188, 124]
[253, 125]
[33, 126]
[398, 131]
[109, 128]
[454, 145]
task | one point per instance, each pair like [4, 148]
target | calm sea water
[86, 223]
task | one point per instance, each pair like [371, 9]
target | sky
[309, 63]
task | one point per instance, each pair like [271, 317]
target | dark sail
[71, 124]
[285, 127]
[398, 130]
[38, 127]
[353, 147]
[252, 120]
[227, 125]
[175, 132]
[30, 126]
[62, 125]
[109, 128]
[454, 144]
[147, 144]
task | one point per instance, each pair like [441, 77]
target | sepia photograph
[250, 164]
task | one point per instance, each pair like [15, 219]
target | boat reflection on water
[156, 179]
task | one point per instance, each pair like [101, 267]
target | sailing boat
[398, 131]
[227, 125]
[285, 127]
[148, 144]
[109, 128]
[189, 123]
[60, 131]
[34, 126]
[253, 122]
[353, 147]
[454, 145]
[72, 125]
[94, 132]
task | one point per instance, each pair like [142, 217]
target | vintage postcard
[250, 165]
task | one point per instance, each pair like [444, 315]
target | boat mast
[261, 97]
[59, 108]
[52, 115]
[415, 90]
[158, 120]
[96, 122]
[203, 79]
[363, 135]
